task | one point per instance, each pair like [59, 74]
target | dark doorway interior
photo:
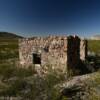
[36, 58]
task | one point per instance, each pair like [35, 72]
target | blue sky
[43, 17]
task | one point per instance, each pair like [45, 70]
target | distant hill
[9, 35]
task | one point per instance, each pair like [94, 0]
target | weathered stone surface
[73, 87]
[83, 49]
[59, 52]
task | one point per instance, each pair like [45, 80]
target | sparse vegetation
[94, 46]
[8, 49]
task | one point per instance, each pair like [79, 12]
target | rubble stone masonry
[61, 52]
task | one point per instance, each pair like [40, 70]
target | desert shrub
[14, 88]
[8, 71]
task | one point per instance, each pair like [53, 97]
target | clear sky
[43, 17]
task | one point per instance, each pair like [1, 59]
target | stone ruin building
[60, 52]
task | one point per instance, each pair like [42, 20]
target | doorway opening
[36, 58]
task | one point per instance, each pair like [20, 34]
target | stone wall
[83, 49]
[73, 53]
[52, 50]
[58, 51]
